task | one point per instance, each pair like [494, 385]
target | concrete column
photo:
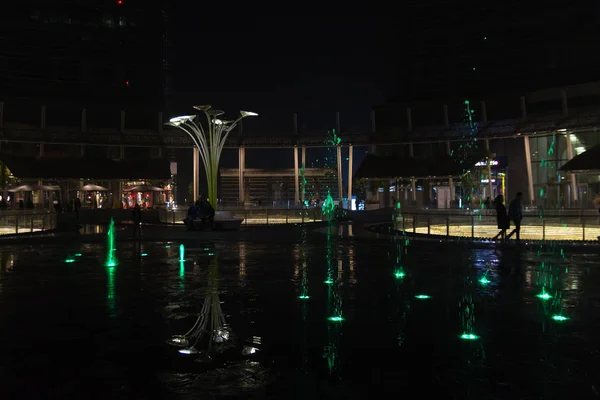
[160, 152]
[483, 112]
[303, 163]
[41, 152]
[43, 118]
[339, 174]
[1, 114]
[196, 177]
[446, 121]
[565, 105]
[241, 168]
[451, 179]
[409, 119]
[350, 160]
[296, 178]
[82, 150]
[572, 177]
[489, 169]
[529, 171]
[121, 152]
[373, 130]
[523, 108]
[118, 201]
[83, 120]
[413, 181]
[160, 122]
[338, 126]
[122, 127]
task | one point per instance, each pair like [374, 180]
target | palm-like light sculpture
[209, 142]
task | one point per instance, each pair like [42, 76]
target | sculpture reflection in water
[210, 330]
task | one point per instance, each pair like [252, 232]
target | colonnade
[299, 154]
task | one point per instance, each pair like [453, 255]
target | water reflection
[334, 308]
[242, 268]
[110, 291]
[403, 302]
[209, 334]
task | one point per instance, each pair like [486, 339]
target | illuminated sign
[484, 163]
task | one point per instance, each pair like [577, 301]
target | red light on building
[119, 2]
[126, 83]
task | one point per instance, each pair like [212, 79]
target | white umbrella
[144, 188]
[31, 188]
[91, 188]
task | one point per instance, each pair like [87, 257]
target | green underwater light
[544, 296]
[399, 274]
[484, 280]
[70, 260]
[560, 318]
[422, 297]
[78, 254]
[336, 318]
[469, 336]
[304, 297]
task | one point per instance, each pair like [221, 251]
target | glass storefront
[553, 188]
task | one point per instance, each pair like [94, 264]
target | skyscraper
[86, 52]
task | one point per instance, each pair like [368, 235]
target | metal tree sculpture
[209, 142]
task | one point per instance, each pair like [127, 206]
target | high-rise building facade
[84, 52]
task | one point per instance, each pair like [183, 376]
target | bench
[226, 220]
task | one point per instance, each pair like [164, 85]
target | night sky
[281, 64]
[285, 59]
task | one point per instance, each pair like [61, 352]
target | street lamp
[209, 142]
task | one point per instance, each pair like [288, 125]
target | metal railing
[254, 216]
[18, 222]
[534, 226]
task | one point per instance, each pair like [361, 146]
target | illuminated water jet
[181, 253]
[111, 259]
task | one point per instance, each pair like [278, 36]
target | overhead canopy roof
[86, 168]
[382, 167]
[585, 162]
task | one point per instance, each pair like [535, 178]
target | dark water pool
[80, 329]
